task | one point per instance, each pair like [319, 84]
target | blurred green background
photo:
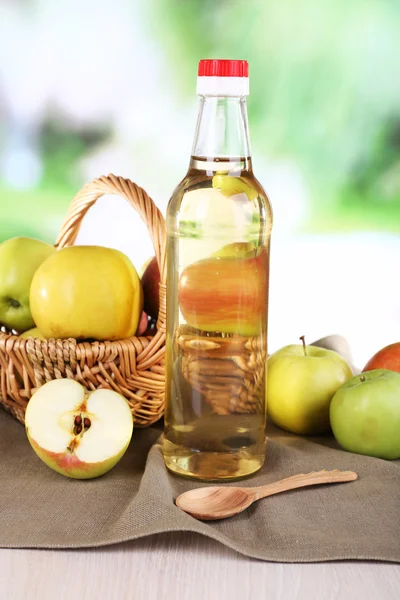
[88, 87]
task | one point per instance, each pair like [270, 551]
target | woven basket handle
[139, 200]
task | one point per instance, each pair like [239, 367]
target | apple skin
[142, 329]
[236, 250]
[387, 358]
[365, 414]
[70, 466]
[227, 294]
[300, 388]
[87, 292]
[230, 185]
[150, 284]
[143, 324]
[20, 257]
[50, 428]
[34, 333]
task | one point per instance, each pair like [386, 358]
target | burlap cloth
[359, 520]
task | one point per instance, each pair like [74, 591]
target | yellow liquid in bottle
[219, 224]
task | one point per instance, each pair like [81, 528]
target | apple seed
[79, 429]
[78, 420]
[86, 423]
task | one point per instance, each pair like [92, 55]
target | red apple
[387, 358]
[150, 285]
[226, 294]
[143, 324]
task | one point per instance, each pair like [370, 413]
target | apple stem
[362, 378]
[303, 339]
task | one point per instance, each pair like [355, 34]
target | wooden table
[185, 567]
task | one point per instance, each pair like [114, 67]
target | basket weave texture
[134, 367]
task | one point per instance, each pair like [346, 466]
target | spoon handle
[302, 480]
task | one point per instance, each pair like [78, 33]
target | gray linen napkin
[359, 520]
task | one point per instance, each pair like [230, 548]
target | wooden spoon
[218, 502]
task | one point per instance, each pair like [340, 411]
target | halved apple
[77, 433]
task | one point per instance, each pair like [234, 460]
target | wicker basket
[135, 367]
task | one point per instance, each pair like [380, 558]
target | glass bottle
[219, 223]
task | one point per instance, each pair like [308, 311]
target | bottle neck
[222, 130]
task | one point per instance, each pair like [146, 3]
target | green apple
[301, 383]
[20, 257]
[365, 414]
[77, 433]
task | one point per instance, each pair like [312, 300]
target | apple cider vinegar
[218, 234]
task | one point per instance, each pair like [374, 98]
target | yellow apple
[301, 383]
[34, 333]
[87, 292]
[19, 259]
[77, 433]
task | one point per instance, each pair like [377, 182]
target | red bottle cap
[223, 78]
[223, 68]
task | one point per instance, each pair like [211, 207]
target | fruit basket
[134, 367]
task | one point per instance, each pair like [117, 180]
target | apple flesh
[301, 382]
[151, 291]
[226, 294]
[365, 414]
[20, 257]
[77, 433]
[387, 358]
